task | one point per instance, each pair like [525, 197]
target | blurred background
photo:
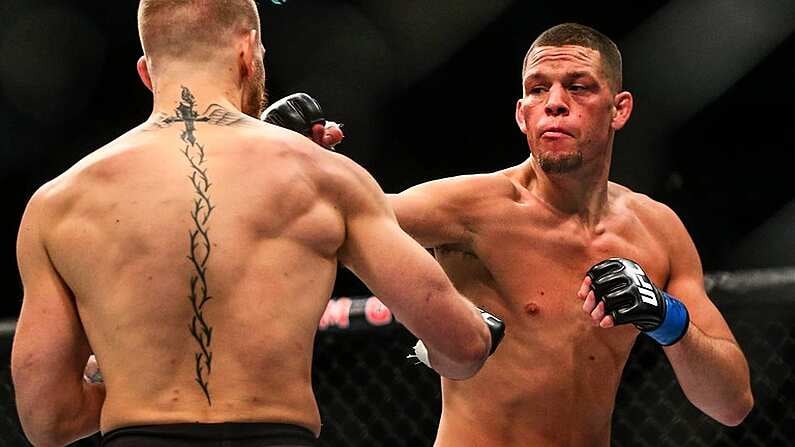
[427, 89]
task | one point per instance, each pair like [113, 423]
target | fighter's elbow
[738, 411]
[49, 425]
[46, 440]
[43, 432]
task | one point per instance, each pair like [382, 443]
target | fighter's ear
[519, 116]
[143, 73]
[622, 109]
[246, 53]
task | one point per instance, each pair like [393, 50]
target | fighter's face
[567, 106]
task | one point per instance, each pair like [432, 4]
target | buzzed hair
[583, 36]
[192, 29]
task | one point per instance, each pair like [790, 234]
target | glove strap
[496, 328]
[675, 324]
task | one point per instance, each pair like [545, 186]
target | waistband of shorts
[265, 431]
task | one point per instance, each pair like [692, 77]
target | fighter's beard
[559, 163]
[255, 97]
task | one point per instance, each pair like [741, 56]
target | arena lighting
[681, 59]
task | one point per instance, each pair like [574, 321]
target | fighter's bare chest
[530, 260]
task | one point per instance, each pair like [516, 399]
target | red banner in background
[355, 314]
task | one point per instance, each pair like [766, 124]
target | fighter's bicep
[429, 215]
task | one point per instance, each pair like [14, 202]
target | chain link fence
[370, 395]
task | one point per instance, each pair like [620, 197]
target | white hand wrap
[421, 354]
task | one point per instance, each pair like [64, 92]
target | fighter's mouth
[554, 132]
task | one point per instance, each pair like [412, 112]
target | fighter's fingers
[92, 373]
[317, 133]
[584, 288]
[607, 322]
[590, 302]
[333, 134]
[598, 313]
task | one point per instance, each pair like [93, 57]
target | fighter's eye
[577, 88]
[538, 89]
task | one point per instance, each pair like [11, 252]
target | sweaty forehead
[580, 56]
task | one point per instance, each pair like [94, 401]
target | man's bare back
[220, 282]
[194, 257]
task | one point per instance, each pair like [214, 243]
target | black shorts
[228, 434]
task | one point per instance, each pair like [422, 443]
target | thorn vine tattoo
[199, 236]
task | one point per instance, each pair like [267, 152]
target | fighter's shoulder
[345, 180]
[330, 169]
[466, 189]
[70, 182]
[49, 199]
[285, 146]
[654, 214]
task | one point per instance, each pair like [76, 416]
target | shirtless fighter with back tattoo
[195, 254]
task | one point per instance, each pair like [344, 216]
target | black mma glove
[297, 112]
[630, 297]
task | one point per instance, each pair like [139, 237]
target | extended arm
[56, 405]
[392, 265]
[410, 282]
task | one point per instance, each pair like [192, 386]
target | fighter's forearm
[713, 374]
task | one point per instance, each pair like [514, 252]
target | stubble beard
[559, 163]
[255, 98]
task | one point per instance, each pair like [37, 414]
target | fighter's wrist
[675, 323]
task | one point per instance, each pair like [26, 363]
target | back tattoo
[199, 234]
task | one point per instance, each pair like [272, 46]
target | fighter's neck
[582, 192]
[168, 95]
